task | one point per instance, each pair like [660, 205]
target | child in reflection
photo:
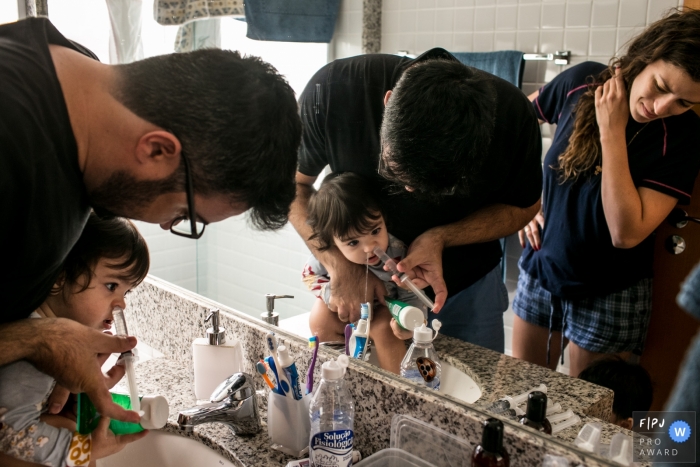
[631, 384]
[344, 214]
[108, 260]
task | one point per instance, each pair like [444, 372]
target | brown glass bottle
[490, 452]
[536, 415]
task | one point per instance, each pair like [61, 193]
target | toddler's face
[93, 306]
[358, 249]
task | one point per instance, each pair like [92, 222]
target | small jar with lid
[490, 453]
[536, 415]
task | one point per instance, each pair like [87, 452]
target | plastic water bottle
[421, 364]
[332, 411]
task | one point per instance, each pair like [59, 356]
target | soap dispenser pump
[270, 316]
[215, 358]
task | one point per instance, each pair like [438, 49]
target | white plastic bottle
[215, 358]
[421, 364]
[332, 411]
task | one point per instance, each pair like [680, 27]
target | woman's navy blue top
[577, 258]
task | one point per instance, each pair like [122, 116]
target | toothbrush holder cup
[288, 423]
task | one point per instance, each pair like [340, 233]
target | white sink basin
[159, 449]
[453, 382]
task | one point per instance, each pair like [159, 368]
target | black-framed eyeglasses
[196, 229]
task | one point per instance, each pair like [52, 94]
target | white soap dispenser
[215, 358]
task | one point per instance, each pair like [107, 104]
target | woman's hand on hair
[531, 232]
[612, 110]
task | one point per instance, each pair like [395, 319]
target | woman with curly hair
[625, 151]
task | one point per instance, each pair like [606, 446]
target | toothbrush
[313, 344]
[348, 334]
[273, 368]
[260, 366]
[391, 264]
[290, 371]
[128, 358]
[282, 381]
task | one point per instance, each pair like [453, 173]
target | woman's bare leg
[530, 343]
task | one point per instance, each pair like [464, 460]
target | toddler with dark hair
[109, 259]
[630, 383]
[344, 214]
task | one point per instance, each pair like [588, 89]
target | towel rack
[560, 57]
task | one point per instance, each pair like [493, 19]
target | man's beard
[122, 195]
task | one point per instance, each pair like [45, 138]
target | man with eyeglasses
[457, 153]
[180, 140]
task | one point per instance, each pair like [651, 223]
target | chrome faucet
[232, 403]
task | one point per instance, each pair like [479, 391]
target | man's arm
[67, 351]
[347, 283]
[486, 224]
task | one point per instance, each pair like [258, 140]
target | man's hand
[68, 351]
[425, 259]
[105, 443]
[399, 332]
[348, 289]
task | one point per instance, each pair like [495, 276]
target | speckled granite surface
[169, 318]
[371, 26]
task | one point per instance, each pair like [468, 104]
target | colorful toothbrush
[348, 333]
[260, 366]
[313, 344]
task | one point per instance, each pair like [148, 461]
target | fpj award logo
[665, 437]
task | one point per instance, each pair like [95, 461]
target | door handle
[679, 218]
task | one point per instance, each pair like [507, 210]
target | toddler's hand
[105, 443]
[399, 332]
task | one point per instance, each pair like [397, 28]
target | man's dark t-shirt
[342, 108]
[44, 204]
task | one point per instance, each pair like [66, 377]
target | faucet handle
[237, 387]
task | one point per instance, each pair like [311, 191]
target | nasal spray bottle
[154, 410]
[421, 364]
[358, 340]
[332, 413]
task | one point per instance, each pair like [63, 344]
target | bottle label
[331, 449]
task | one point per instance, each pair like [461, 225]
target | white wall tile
[464, 20]
[483, 42]
[444, 40]
[551, 40]
[506, 17]
[485, 19]
[390, 5]
[529, 16]
[424, 42]
[426, 4]
[425, 21]
[504, 41]
[604, 13]
[463, 42]
[578, 14]
[633, 13]
[464, 3]
[623, 37]
[444, 21]
[445, 3]
[407, 42]
[527, 41]
[507, 2]
[576, 41]
[407, 21]
[603, 42]
[485, 2]
[657, 8]
[390, 22]
[553, 15]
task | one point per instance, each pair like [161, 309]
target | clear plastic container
[288, 423]
[393, 457]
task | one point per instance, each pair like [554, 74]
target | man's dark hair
[437, 128]
[342, 207]
[114, 239]
[235, 117]
[631, 384]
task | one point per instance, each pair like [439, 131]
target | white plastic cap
[588, 438]
[412, 317]
[283, 356]
[423, 334]
[362, 327]
[621, 449]
[156, 411]
[335, 369]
